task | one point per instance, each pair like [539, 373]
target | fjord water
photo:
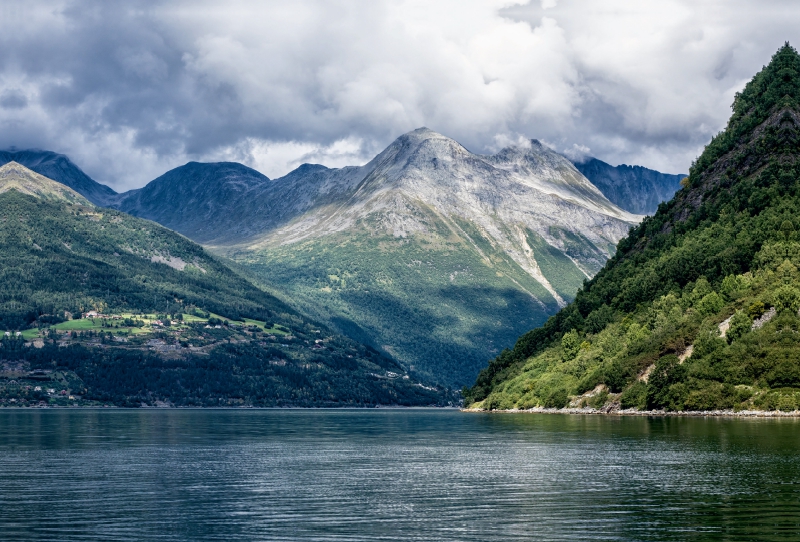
[394, 475]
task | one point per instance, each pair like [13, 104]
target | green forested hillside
[432, 302]
[176, 325]
[57, 257]
[698, 309]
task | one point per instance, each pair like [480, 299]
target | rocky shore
[634, 412]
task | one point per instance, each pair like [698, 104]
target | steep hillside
[14, 176]
[173, 323]
[634, 188]
[60, 168]
[430, 253]
[698, 309]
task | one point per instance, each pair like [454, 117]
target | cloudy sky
[130, 91]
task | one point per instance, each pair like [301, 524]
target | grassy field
[115, 325]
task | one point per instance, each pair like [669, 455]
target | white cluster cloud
[129, 90]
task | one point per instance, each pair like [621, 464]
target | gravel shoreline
[634, 412]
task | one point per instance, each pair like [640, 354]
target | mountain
[634, 188]
[430, 253]
[698, 309]
[202, 201]
[60, 168]
[165, 322]
[14, 176]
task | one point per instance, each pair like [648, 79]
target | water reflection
[393, 475]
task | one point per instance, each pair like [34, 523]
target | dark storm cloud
[131, 89]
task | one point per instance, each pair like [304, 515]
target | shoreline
[649, 413]
[173, 408]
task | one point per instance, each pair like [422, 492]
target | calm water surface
[394, 475]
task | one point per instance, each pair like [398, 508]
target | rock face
[634, 188]
[60, 168]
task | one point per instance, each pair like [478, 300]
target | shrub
[635, 396]
[733, 285]
[675, 397]
[636, 334]
[616, 376]
[570, 345]
[591, 380]
[707, 342]
[787, 403]
[740, 324]
[756, 309]
[557, 398]
[786, 298]
[710, 304]
[767, 401]
[598, 319]
[668, 371]
[599, 400]
[786, 373]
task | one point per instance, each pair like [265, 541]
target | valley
[136, 315]
[436, 256]
[433, 256]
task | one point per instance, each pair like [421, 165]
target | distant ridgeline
[636, 189]
[164, 321]
[698, 309]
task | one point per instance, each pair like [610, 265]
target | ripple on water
[337, 475]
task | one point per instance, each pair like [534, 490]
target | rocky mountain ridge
[504, 194]
[455, 249]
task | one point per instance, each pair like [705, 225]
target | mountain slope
[698, 309]
[200, 200]
[60, 257]
[60, 168]
[14, 176]
[433, 254]
[634, 188]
